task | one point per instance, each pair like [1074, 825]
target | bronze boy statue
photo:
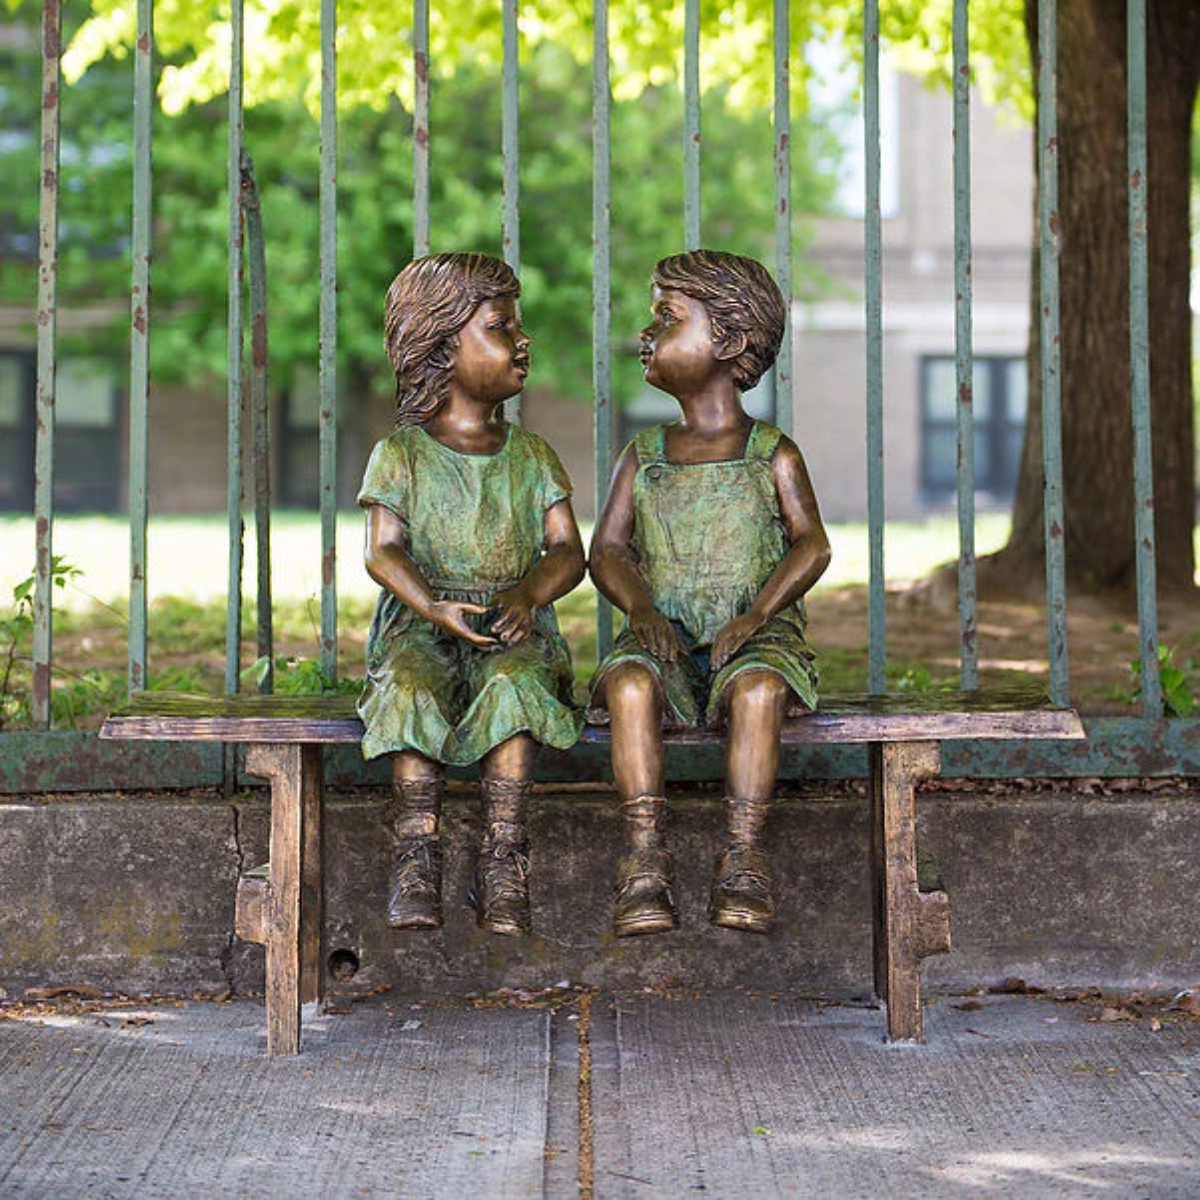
[471, 537]
[708, 540]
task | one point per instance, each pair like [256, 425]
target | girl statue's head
[427, 306]
[742, 300]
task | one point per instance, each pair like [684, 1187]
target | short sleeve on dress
[554, 482]
[387, 479]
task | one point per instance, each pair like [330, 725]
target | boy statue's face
[677, 348]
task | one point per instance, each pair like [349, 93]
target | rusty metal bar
[964, 357]
[510, 148]
[603, 413]
[783, 210]
[260, 416]
[327, 373]
[420, 128]
[47, 363]
[691, 124]
[1052, 459]
[1139, 362]
[139, 346]
[873, 269]
[233, 424]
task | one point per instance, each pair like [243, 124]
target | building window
[87, 414]
[999, 400]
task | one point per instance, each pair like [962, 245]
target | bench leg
[294, 901]
[909, 924]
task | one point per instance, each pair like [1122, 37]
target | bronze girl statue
[709, 539]
[471, 537]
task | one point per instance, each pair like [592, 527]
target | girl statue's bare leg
[500, 885]
[415, 875]
[741, 893]
[645, 887]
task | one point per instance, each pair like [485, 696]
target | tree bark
[1098, 495]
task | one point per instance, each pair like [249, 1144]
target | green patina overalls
[475, 526]
[707, 537]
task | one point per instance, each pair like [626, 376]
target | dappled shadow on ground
[923, 638]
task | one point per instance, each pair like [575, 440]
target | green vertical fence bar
[873, 272]
[691, 124]
[260, 417]
[1139, 362]
[1052, 459]
[420, 128]
[233, 432]
[783, 209]
[964, 357]
[1139, 347]
[603, 412]
[510, 149]
[139, 346]
[327, 371]
[47, 365]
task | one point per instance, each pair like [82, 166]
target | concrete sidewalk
[568, 1093]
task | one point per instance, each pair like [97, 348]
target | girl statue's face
[491, 359]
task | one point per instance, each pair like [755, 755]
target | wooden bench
[280, 905]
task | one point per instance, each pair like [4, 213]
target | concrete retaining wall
[135, 894]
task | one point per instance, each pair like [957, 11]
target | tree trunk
[1098, 497]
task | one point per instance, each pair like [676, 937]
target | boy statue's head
[743, 304]
[428, 304]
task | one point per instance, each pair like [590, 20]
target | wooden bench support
[280, 905]
[283, 908]
[909, 924]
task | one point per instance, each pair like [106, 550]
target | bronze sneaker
[741, 892]
[645, 894]
[415, 884]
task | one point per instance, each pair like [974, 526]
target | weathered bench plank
[286, 736]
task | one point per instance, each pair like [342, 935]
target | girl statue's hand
[514, 616]
[451, 615]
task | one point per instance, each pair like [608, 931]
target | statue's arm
[389, 563]
[614, 568]
[802, 565]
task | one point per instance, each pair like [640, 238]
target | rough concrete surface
[137, 894]
[638, 1094]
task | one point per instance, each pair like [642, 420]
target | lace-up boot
[741, 891]
[500, 886]
[645, 886]
[415, 879]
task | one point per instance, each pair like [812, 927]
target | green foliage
[16, 634]
[191, 233]
[298, 677]
[1177, 696]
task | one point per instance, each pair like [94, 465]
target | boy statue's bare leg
[645, 873]
[415, 875]
[500, 885]
[742, 883]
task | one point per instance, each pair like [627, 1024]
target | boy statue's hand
[733, 636]
[655, 633]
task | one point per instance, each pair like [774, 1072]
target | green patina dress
[475, 526]
[707, 537]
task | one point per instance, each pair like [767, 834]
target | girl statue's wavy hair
[740, 297]
[427, 306]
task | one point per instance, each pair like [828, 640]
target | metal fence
[46, 759]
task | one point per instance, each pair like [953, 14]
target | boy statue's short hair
[741, 299]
